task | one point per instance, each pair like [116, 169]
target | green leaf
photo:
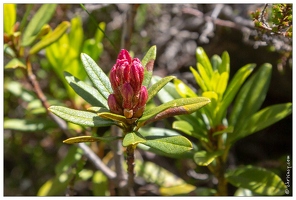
[258, 180]
[191, 129]
[99, 35]
[233, 88]
[203, 158]
[175, 107]
[15, 63]
[9, 51]
[216, 62]
[198, 79]
[9, 14]
[169, 145]
[50, 37]
[167, 93]
[225, 65]
[76, 34]
[97, 76]
[242, 192]
[154, 89]
[28, 124]
[183, 189]
[226, 130]
[221, 84]
[148, 63]
[183, 89]
[263, 119]
[82, 118]
[205, 77]
[204, 61]
[251, 96]
[97, 109]
[133, 138]
[87, 92]
[87, 138]
[42, 16]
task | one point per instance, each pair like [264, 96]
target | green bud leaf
[133, 138]
[50, 38]
[204, 61]
[83, 118]
[87, 138]
[9, 14]
[258, 180]
[169, 145]
[198, 79]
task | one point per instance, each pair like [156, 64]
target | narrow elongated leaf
[9, 14]
[148, 64]
[251, 96]
[263, 119]
[169, 145]
[42, 16]
[205, 77]
[133, 138]
[87, 92]
[88, 138]
[97, 76]
[203, 59]
[83, 118]
[183, 105]
[167, 93]
[216, 62]
[258, 180]
[97, 109]
[204, 158]
[154, 89]
[198, 79]
[76, 34]
[183, 89]
[51, 37]
[232, 89]
[9, 51]
[222, 84]
[190, 129]
[225, 65]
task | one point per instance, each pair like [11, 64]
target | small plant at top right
[218, 127]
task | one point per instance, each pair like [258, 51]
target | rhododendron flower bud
[129, 96]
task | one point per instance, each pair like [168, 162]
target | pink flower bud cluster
[129, 96]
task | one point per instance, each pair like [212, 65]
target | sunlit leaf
[100, 186]
[225, 65]
[203, 60]
[169, 145]
[28, 124]
[204, 76]
[258, 180]
[263, 119]
[183, 89]
[83, 118]
[87, 92]
[251, 96]
[198, 79]
[97, 76]
[133, 138]
[154, 89]
[232, 89]
[204, 158]
[175, 107]
[87, 138]
[114, 117]
[183, 189]
[50, 37]
[42, 16]
[9, 15]
[190, 129]
[148, 64]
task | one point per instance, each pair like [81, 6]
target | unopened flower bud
[127, 96]
[113, 105]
